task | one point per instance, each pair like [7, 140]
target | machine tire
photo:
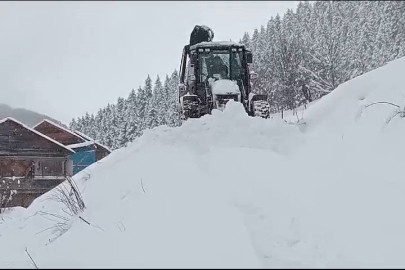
[261, 108]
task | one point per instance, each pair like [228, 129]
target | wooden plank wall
[25, 191]
[17, 140]
[32, 167]
[57, 134]
[101, 153]
[17, 168]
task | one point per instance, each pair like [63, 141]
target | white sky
[65, 58]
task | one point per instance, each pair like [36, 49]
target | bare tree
[68, 193]
[6, 196]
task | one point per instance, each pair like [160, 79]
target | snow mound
[230, 128]
[235, 110]
[224, 87]
[228, 190]
[346, 108]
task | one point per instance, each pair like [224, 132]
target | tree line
[117, 124]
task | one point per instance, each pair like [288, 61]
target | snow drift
[228, 190]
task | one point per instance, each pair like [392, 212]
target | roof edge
[36, 132]
[59, 127]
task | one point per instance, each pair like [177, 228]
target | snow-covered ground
[228, 190]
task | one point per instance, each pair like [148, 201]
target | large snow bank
[170, 219]
[228, 190]
[345, 108]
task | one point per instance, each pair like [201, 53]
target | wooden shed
[87, 150]
[30, 163]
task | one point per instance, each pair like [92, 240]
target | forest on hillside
[152, 105]
[317, 47]
[323, 45]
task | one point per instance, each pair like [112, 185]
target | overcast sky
[65, 58]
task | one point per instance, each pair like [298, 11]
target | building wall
[10, 167]
[69, 167]
[28, 178]
[30, 163]
[22, 199]
[30, 167]
[100, 154]
[82, 159]
[58, 134]
[27, 192]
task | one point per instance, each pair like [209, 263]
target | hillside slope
[30, 118]
[228, 190]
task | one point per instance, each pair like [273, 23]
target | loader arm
[183, 63]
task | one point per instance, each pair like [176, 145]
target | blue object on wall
[83, 158]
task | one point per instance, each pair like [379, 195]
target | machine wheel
[190, 109]
[261, 108]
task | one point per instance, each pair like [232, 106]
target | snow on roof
[3, 120]
[103, 146]
[251, 95]
[36, 132]
[216, 43]
[84, 136]
[59, 127]
[78, 145]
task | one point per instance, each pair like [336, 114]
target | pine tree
[131, 114]
[160, 98]
[109, 135]
[174, 106]
[73, 124]
[145, 102]
[98, 125]
[122, 124]
[246, 40]
[152, 117]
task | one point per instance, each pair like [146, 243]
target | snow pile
[228, 190]
[224, 87]
[231, 128]
[153, 217]
[345, 109]
[146, 209]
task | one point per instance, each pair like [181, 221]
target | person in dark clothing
[215, 65]
[31, 170]
[306, 92]
[236, 66]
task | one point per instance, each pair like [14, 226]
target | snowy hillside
[228, 190]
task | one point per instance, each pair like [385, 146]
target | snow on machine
[212, 73]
